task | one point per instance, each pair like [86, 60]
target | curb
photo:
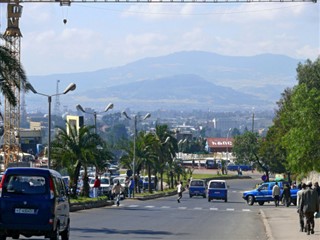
[94, 204]
[266, 225]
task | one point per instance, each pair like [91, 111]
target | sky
[104, 35]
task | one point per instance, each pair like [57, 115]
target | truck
[263, 193]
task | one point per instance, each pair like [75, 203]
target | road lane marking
[182, 208]
[246, 210]
[165, 207]
[149, 206]
[132, 206]
[214, 209]
[230, 209]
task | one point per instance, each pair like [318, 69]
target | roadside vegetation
[291, 143]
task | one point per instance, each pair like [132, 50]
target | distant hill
[183, 80]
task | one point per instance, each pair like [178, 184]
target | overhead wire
[191, 14]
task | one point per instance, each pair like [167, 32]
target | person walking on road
[96, 186]
[276, 194]
[317, 189]
[131, 187]
[179, 191]
[302, 188]
[309, 205]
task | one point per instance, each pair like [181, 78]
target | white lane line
[165, 207]
[230, 209]
[149, 206]
[197, 208]
[214, 209]
[132, 206]
[182, 208]
[246, 210]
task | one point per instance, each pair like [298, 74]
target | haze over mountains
[182, 80]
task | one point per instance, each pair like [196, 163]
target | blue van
[198, 188]
[217, 189]
[34, 202]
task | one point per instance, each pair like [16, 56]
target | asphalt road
[165, 218]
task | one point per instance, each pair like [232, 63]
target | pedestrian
[286, 195]
[309, 205]
[96, 186]
[317, 189]
[188, 183]
[117, 189]
[302, 188]
[131, 187]
[179, 191]
[276, 194]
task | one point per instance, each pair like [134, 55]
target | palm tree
[74, 150]
[148, 146]
[168, 147]
[11, 74]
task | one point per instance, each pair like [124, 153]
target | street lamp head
[110, 106]
[147, 116]
[167, 140]
[80, 108]
[31, 88]
[71, 87]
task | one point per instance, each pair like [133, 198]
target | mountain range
[183, 80]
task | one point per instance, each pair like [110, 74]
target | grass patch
[86, 199]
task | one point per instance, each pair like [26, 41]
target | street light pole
[134, 140]
[108, 107]
[228, 144]
[71, 87]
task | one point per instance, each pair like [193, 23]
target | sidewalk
[282, 223]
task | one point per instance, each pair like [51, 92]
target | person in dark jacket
[317, 189]
[309, 205]
[286, 195]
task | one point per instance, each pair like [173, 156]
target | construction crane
[13, 42]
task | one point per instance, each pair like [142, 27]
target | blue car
[34, 202]
[217, 189]
[197, 188]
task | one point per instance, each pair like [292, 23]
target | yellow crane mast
[13, 42]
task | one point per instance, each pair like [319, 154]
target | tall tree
[246, 149]
[11, 74]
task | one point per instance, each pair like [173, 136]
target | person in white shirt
[276, 194]
[179, 190]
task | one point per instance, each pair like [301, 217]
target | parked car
[146, 182]
[33, 202]
[217, 189]
[211, 164]
[263, 193]
[236, 167]
[197, 188]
